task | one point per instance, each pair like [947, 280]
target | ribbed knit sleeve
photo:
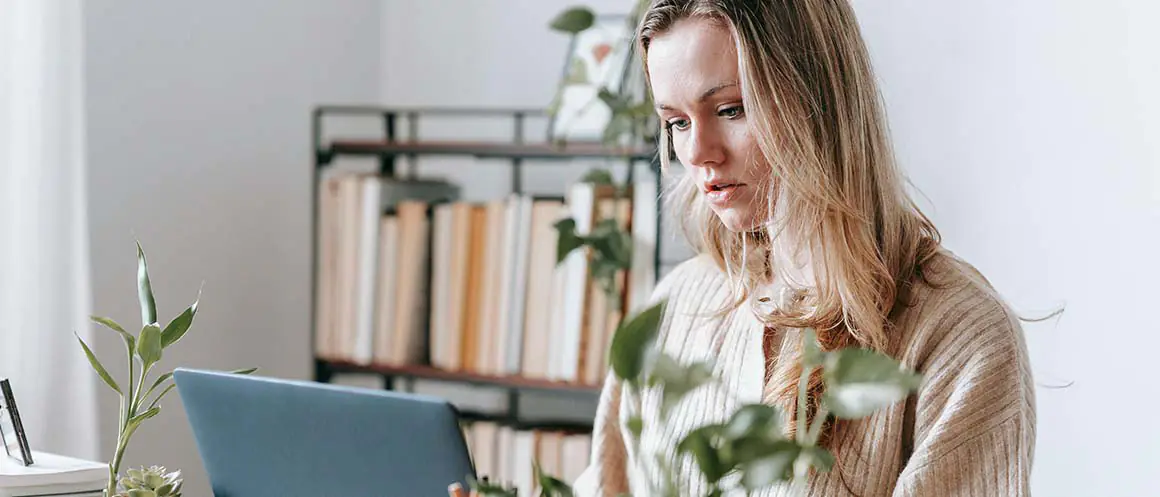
[974, 416]
[606, 472]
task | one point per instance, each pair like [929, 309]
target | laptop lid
[260, 437]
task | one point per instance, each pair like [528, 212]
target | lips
[721, 192]
[719, 185]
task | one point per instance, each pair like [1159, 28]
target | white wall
[198, 127]
[1032, 127]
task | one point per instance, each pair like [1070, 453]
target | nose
[704, 147]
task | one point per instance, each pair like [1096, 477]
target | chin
[737, 220]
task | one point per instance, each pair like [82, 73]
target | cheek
[743, 147]
[679, 151]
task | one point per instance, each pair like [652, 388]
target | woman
[800, 219]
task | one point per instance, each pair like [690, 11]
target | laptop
[263, 437]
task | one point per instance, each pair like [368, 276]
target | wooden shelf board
[432, 373]
[544, 425]
[497, 150]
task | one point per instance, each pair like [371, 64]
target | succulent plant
[152, 482]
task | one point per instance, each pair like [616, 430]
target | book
[505, 454]
[52, 474]
[409, 330]
[474, 286]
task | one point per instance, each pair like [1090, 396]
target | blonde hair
[811, 98]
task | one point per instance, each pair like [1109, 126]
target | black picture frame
[11, 428]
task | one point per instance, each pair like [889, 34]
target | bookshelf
[520, 152]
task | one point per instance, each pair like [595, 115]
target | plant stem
[138, 395]
[816, 427]
[803, 390]
[114, 468]
[801, 472]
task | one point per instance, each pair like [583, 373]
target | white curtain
[44, 271]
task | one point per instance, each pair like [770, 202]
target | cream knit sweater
[969, 430]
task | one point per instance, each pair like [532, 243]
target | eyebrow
[704, 95]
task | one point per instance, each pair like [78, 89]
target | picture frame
[598, 57]
[12, 434]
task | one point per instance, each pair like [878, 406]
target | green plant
[751, 443]
[152, 482]
[143, 350]
[632, 112]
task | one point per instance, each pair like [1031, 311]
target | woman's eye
[679, 124]
[731, 112]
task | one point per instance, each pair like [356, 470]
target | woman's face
[695, 82]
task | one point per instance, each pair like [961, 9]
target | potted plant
[143, 352]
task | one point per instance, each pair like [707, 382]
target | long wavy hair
[816, 114]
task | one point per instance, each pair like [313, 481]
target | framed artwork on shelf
[11, 429]
[599, 57]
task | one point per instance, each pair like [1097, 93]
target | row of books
[473, 286]
[505, 455]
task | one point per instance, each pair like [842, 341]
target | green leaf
[775, 466]
[104, 374]
[161, 395]
[489, 489]
[641, 110]
[818, 458]
[110, 324]
[753, 432]
[635, 426]
[244, 371]
[631, 342]
[702, 443]
[618, 126]
[180, 324]
[677, 380]
[153, 480]
[128, 338]
[621, 249]
[550, 486]
[861, 381]
[568, 240]
[598, 176]
[141, 493]
[604, 272]
[138, 419]
[577, 73]
[145, 290]
[149, 345]
[573, 20]
[612, 245]
[160, 379]
[754, 421]
[604, 229]
[617, 103]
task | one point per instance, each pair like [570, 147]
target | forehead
[693, 55]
